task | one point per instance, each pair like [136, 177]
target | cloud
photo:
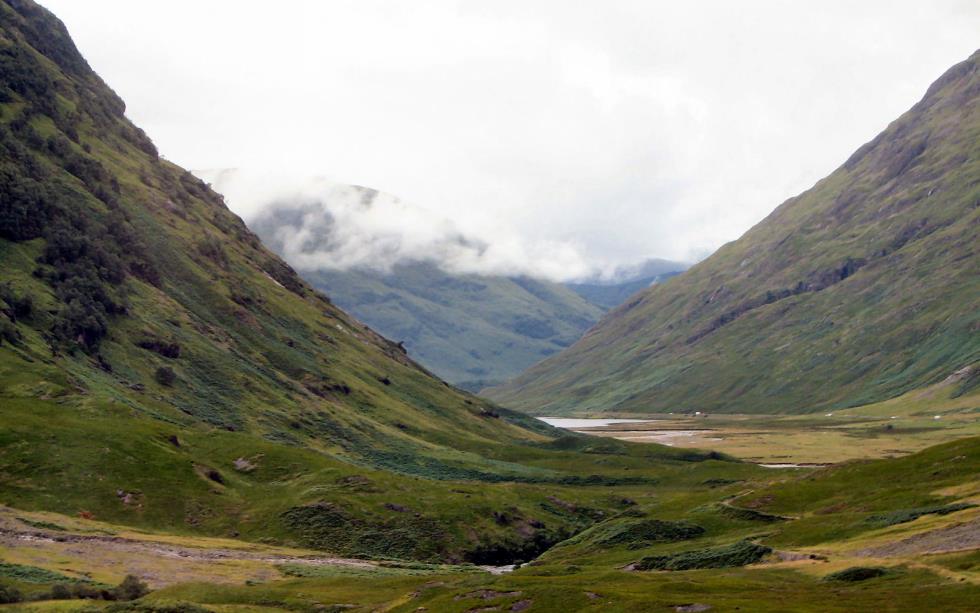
[618, 130]
[319, 224]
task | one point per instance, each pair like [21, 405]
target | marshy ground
[887, 429]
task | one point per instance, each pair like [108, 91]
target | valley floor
[913, 523]
[887, 429]
[685, 532]
[936, 556]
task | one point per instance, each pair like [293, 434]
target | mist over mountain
[407, 276]
[476, 311]
[340, 226]
[611, 290]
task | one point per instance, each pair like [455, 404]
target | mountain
[611, 292]
[861, 288]
[472, 330]
[180, 414]
[160, 368]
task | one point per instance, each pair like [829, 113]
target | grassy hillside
[160, 368]
[857, 290]
[471, 330]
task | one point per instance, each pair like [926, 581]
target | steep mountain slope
[861, 288]
[159, 367]
[125, 277]
[471, 330]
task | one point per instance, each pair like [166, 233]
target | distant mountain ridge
[614, 290]
[471, 330]
[859, 289]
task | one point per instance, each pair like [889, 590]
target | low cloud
[319, 224]
[559, 136]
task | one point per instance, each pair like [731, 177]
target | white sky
[615, 129]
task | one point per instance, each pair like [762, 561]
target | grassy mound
[906, 515]
[736, 554]
[33, 574]
[748, 514]
[642, 533]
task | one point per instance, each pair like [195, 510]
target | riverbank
[892, 428]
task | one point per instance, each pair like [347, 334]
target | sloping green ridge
[859, 289]
[122, 265]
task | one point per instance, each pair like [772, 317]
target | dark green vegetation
[32, 574]
[156, 607]
[857, 290]
[29, 583]
[857, 573]
[736, 554]
[644, 532]
[748, 514]
[906, 515]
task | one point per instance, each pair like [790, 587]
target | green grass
[48, 462]
[32, 574]
[723, 589]
[961, 562]
[902, 516]
[859, 497]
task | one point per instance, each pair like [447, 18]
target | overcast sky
[608, 130]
